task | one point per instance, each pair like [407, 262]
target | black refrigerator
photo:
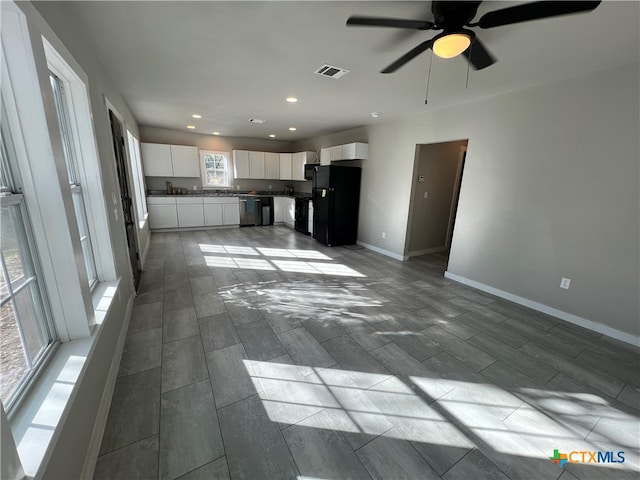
[336, 202]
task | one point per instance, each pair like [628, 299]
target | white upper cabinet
[336, 153]
[285, 166]
[299, 160]
[156, 160]
[241, 163]
[355, 151]
[161, 160]
[272, 165]
[325, 156]
[256, 165]
[349, 151]
[248, 164]
[186, 161]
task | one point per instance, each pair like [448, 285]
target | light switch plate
[565, 283]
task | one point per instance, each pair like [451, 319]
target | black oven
[302, 215]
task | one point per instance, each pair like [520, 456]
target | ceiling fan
[453, 16]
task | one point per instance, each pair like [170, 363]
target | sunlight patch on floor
[440, 412]
[299, 265]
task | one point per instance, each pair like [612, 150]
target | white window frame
[24, 84]
[84, 144]
[139, 191]
[37, 363]
[69, 143]
[203, 169]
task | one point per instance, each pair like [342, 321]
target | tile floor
[257, 353]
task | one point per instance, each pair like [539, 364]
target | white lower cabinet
[278, 210]
[231, 213]
[212, 214]
[162, 212]
[220, 211]
[190, 212]
[284, 211]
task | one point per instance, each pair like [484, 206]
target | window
[74, 180]
[138, 179]
[215, 169]
[28, 335]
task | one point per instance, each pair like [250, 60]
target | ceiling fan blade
[390, 22]
[478, 55]
[534, 11]
[410, 55]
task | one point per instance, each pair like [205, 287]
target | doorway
[125, 197]
[435, 192]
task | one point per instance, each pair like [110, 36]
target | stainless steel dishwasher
[250, 211]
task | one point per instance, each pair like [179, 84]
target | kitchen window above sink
[215, 169]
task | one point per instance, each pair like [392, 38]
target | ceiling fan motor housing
[452, 16]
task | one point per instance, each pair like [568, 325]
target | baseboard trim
[554, 312]
[103, 410]
[402, 258]
[426, 251]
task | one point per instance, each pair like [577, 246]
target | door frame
[454, 198]
[462, 155]
[135, 275]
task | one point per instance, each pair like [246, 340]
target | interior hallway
[258, 353]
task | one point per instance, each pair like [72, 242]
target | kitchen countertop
[230, 193]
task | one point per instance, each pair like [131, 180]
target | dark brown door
[125, 197]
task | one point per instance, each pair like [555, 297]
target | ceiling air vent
[331, 71]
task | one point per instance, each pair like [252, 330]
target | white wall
[550, 190]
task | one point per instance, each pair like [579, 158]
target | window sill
[38, 420]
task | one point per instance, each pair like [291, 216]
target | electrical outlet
[565, 283]
[426, 194]
[269, 187]
[384, 235]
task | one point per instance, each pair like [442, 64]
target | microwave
[308, 170]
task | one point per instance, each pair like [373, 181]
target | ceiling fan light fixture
[452, 44]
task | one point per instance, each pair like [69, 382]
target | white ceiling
[231, 61]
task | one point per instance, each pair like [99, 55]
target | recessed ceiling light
[292, 99]
[272, 135]
[293, 129]
[191, 127]
[216, 133]
[196, 115]
[375, 114]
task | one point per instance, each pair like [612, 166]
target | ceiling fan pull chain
[466, 86]
[426, 95]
